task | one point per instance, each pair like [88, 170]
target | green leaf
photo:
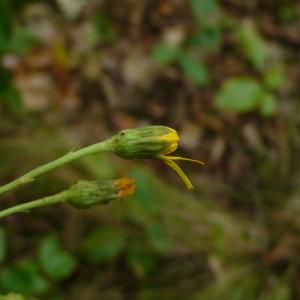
[253, 44]
[158, 238]
[140, 259]
[239, 95]
[203, 8]
[289, 12]
[104, 27]
[208, 37]
[21, 41]
[14, 100]
[274, 76]
[9, 94]
[165, 54]
[269, 104]
[6, 24]
[194, 69]
[2, 245]
[5, 81]
[56, 263]
[103, 244]
[23, 278]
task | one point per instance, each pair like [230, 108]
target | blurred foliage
[226, 75]
[2, 244]
[61, 264]
[191, 66]
[206, 36]
[142, 234]
[202, 9]
[103, 244]
[252, 44]
[253, 95]
[13, 39]
[12, 296]
[23, 278]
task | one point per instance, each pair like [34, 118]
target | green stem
[101, 147]
[25, 207]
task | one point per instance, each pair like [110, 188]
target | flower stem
[81, 195]
[25, 207]
[104, 146]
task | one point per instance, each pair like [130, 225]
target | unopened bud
[151, 142]
[85, 194]
[145, 142]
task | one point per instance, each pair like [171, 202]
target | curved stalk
[81, 195]
[26, 207]
[101, 147]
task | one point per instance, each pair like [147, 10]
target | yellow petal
[169, 149]
[171, 136]
[178, 170]
[186, 159]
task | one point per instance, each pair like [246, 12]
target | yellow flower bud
[145, 142]
[154, 142]
[85, 194]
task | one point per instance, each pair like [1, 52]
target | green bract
[145, 142]
[88, 193]
[85, 194]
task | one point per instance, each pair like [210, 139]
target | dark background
[225, 74]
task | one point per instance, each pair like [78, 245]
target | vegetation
[224, 74]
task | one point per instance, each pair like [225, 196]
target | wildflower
[125, 187]
[85, 194]
[154, 142]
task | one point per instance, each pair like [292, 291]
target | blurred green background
[226, 75]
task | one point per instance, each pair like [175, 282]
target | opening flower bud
[155, 142]
[85, 194]
[145, 142]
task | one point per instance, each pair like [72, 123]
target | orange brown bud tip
[125, 186]
[85, 194]
[145, 142]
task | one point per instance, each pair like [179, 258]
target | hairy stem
[26, 207]
[101, 147]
